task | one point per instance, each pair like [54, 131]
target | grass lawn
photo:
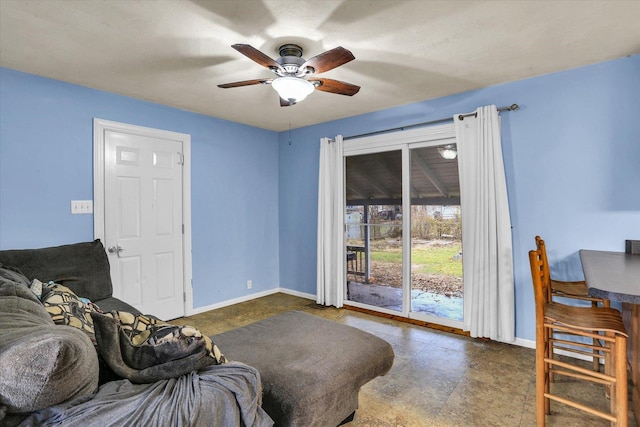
[432, 260]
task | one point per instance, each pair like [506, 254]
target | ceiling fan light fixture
[448, 152]
[292, 89]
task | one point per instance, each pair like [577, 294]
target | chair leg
[596, 343]
[609, 368]
[548, 372]
[541, 377]
[549, 354]
[596, 354]
[621, 409]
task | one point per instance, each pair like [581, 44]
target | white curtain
[486, 236]
[331, 251]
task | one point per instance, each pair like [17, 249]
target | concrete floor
[438, 378]
[421, 301]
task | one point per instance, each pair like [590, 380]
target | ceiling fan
[293, 82]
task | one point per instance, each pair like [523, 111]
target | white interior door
[143, 219]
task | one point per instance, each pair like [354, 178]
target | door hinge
[184, 297]
[180, 158]
[182, 228]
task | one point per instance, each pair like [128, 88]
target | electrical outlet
[249, 284]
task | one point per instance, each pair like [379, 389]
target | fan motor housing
[290, 49]
[290, 58]
[291, 64]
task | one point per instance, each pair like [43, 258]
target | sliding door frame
[404, 141]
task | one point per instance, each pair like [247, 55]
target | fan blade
[257, 56]
[336, 86]
[329, 60]
[245, 83]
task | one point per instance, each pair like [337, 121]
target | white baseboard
[524, 343]
[297, 293]
[233, 301]
[250, 297]
[532, 344]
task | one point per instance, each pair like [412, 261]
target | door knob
[115, 250]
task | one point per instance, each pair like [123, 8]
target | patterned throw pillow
[146, 331]
[36, 288]
[66, 308]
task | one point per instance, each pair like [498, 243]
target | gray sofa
[311, 369]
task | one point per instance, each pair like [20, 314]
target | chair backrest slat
[541, 291]
[542, 252]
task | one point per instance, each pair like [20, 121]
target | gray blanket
[218, 395]
[164, 352]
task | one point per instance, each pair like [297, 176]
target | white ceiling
[176, 52]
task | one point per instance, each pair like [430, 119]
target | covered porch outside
[379, 283]
[374, 231]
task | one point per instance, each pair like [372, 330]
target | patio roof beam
[386, 167]
[426, 170]
[368, 178]
[354, 190]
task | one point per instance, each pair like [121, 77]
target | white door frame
[100, 126]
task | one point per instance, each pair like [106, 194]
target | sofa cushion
[82, 267]
[13, 275]
[18, 305]
[41, 364]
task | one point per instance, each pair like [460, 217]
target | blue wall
[46, 160]
[582, 192]
[572, 160]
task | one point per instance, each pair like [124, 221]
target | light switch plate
[81, 206]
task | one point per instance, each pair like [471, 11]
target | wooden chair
[603, 323]
[574, 290]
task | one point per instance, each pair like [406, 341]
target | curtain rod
[512, 107]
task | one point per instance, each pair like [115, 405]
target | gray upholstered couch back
[82, 267]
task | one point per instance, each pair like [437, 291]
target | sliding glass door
[373, 221]
[436, 235]
[403, 226]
